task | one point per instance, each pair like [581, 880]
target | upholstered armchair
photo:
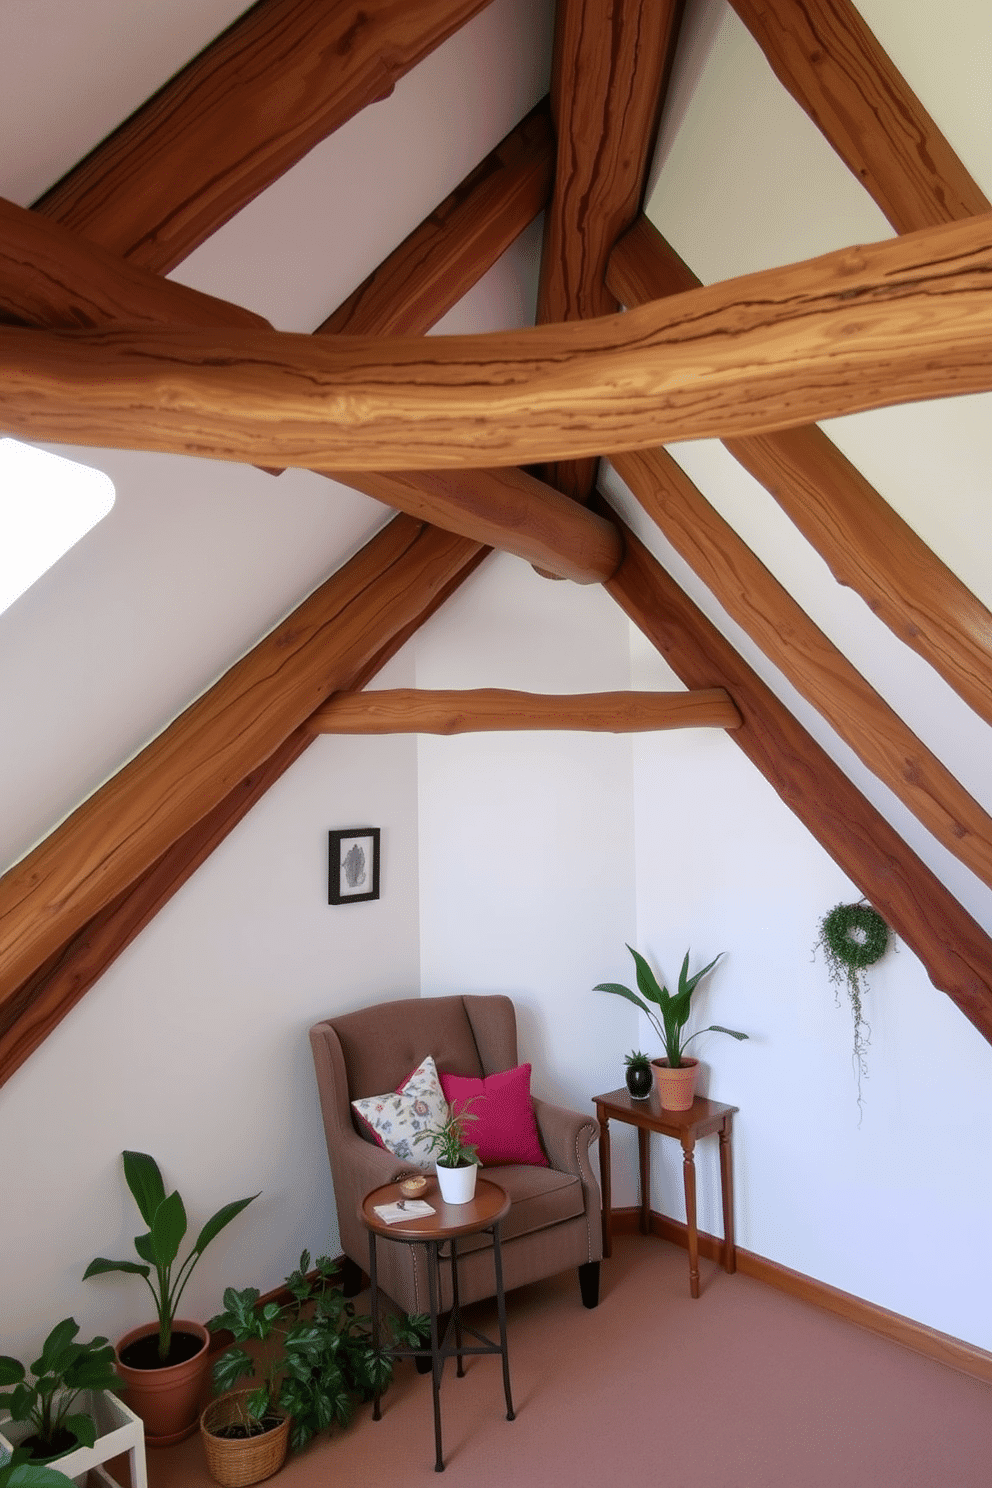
[554, 1221]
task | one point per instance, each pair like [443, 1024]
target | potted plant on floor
[312, 1358]
[46, 1405]
[675, 1074]
[455, 1159]
[163, 1364]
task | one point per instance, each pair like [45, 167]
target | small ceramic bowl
[412, 1188]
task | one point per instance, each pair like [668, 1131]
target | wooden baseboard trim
[941, 1347]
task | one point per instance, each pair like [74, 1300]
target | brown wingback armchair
[554, 1220]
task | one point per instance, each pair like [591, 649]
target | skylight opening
[47, 504]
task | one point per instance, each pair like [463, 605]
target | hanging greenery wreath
[852, 938]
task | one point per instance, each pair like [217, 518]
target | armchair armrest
[566, 1137]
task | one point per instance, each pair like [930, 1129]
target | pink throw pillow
[505, 1130]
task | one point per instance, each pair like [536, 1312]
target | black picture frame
[353, 865]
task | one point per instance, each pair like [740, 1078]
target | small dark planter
[639, 1080]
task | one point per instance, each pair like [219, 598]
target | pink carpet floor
[744, 1388]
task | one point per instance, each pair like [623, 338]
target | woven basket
[235, 1462]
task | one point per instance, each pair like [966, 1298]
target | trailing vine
[852, 938]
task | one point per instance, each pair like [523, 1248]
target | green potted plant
[455, 1158]
[21, 1472]
[675, 1073]
[45, 1404]
[163, 1364]
[637, 1074]
[312, 1358]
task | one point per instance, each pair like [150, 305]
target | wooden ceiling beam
[285, 75]
[408, 710]
[954, 950]
[609, 72]
[803, 654]
[864, 542]
[44, 999]
[892, 322]
[181, 776]
[828, 59]
[443, 258]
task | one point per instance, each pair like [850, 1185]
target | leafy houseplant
[159, 1248]
[852, 938]
[673, 1009]
[62, 1370]
[21, 1472]
[313, 1361]
[455, 1158]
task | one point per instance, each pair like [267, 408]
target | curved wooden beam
[828, 59]
[893, 322]
[284, 76]
[815, 667]
[955, 951]
[408, 710]
[609, 70]
[126, 826]
[864, 542]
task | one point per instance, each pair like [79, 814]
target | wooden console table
[703, 1119]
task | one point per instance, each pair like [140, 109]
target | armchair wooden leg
[589, 1283]
[351, 1277]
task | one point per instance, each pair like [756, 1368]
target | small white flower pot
[457, 1185]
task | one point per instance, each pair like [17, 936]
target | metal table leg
[501, 1310]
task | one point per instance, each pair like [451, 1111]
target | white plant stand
[119, 1431]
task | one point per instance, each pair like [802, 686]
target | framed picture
[353, 865]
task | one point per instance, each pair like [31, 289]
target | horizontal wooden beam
[506, 509]
[804, 655]
[458, 242]
[408, 710]
[285, 75]
[835, 69]
[610, 66]
[955, 951]
[889, 323]
[864, 542]
[126, 826]
[44, 999]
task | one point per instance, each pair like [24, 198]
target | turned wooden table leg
[643, 1138]
[727, 1185]
[689, 1179]
[604, 1183]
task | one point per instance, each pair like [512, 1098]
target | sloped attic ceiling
[728, 188]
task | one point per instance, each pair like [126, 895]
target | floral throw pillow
[395, 1120]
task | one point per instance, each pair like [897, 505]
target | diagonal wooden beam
[126, 826]
[44, 999]
[815, 667]
[284, 76]
[864, 542]
[862, 328]
[609, 72]
[835, 69]
[409, 710]
[458, 242]
[955, 951]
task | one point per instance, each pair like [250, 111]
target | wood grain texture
[180, 777]
[889, 323]
[820, 672]
[50, 276]
[835, 69]
[458, 242]
[864, 542]
[506, 509]
[43, 1000]
[610, 66]
[284, 76]
[408, 710]
[955, 951]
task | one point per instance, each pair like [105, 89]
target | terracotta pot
[457, 1185]
[676, 1087]
[239, 1461]
[168, 1398]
